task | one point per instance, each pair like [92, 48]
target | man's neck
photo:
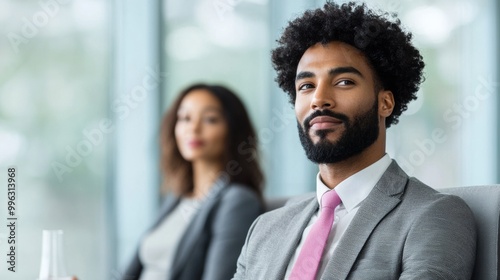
[334, 173]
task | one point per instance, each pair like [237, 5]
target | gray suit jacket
[402, 230]
[210, 246]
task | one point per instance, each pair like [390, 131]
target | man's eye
[306, 86]
[345, 83]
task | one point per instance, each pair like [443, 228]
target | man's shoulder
[416, 189]
[293, 207]
[419, 191]
[422, 198]
[416, 192]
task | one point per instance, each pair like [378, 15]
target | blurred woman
[213, 183]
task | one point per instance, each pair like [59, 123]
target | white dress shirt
[352, 191]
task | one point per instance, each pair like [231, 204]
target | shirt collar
[353, 190]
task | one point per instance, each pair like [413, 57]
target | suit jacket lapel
[382, 199]
[298, 217]
[195, 229]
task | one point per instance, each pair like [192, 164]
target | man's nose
[323, 98]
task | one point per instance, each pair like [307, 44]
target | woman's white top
[158, 247]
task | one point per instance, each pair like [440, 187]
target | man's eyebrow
[332, 72]
[342, 70]
[304, 74]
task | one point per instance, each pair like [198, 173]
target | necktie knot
[330, 199]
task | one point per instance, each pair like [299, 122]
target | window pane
[439, 136]
[53, 100]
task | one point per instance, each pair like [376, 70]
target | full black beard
[358, 135]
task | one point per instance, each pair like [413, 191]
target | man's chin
[324, 135]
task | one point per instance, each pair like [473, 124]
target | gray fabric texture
[484, 202]
[403, 230]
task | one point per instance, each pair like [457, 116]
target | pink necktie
[307, 264]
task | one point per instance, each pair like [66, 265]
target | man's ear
[385, 103]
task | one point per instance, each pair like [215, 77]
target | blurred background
[84, 83]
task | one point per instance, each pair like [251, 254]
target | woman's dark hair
[241, 154]
[397, 65]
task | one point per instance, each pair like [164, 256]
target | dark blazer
[212, 242]
[402, 230]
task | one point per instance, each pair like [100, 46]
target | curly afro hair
[397, 64]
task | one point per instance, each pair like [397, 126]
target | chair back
[484, 201]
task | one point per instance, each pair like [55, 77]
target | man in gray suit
[350, 73]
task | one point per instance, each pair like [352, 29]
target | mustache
[339, 116]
